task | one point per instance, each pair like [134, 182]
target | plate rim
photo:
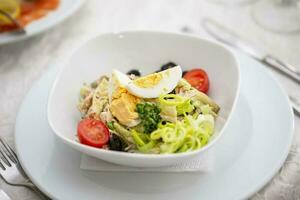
[284, 156]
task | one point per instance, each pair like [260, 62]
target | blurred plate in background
[65, 10]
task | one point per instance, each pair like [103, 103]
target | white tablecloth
[24, 62]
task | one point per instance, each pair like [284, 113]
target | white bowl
[145, 51]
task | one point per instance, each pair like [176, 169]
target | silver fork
[12, 172]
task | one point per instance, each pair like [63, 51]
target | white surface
[22, 63]
[131, 50]
[246, 157]
[202, 164]
[4, 196]
[65, 10]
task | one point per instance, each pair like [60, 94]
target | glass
[281, 16]
[233, 2]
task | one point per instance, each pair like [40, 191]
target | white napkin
[197, 164]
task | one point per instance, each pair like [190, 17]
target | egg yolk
[123, 106]
[148, 81]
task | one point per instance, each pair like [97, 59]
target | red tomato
[27, 6]
[198, 78]
[47, 4]
[92, 132]
[30, 6]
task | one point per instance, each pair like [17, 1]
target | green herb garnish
[149, 114]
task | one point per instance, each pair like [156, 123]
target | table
[22, 63]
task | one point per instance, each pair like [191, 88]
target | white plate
[252, 149]
[65, 9]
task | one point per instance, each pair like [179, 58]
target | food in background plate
[157, 113]
[23, 12]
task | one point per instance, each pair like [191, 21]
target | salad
[16, 14]
[167, 111]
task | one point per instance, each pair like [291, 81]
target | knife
[230, 38]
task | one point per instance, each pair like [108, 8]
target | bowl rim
[76, 144]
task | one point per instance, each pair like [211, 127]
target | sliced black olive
[167, 66]
[173, 92]
[135, 72]
[183, 73]
[115, 143]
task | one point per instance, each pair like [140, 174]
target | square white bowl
[145, 51]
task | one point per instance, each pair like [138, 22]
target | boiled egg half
[117, 79]
[156, 84]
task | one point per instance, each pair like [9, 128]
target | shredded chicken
[94, 100]
[169, 113]
[106, 115]
[85, 104]
[186, 90]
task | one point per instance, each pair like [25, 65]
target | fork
[12, 172]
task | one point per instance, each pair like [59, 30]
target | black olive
[134, 71]
[115, 143]
[167, 66]
[183, 73]
[173, 92]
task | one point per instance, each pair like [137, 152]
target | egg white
[169, 81]
[117, 79]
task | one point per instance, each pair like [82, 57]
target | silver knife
[230, 38]
[4, 196]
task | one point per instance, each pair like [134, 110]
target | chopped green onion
[170, 99]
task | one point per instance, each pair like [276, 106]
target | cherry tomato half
[198, 78]
[92, 132]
